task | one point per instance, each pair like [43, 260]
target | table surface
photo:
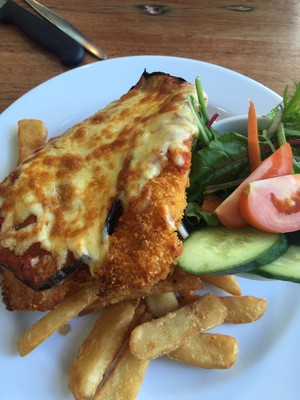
[259, 39]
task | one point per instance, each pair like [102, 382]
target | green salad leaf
[224, 159]
[220, 159]
[195, 216]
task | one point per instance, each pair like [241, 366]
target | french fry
[162, 304]
[181, 280]
[99, 349]
[188, 300]
[241, 309]
[178, 281]
[56, 319]
[125, 379]
[32, 134]
[244, 309]
[207, 350]
[228, 283]
[139, 313]
[187, 293]
[165, 334]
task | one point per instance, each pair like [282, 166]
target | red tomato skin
[272, 205]
[277, 164]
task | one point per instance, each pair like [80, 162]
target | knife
[42, 32]
[68, 28]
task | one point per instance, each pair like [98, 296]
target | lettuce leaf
[291, 112]
[225, 159]
[220, 159]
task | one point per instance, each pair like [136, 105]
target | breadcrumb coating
[146, 245]
[19, 297]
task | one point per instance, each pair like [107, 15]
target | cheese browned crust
[54, 207]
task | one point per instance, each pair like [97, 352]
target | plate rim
[209, 395]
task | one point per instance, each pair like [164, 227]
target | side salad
[243, 212]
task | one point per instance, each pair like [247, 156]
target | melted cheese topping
[70, 184]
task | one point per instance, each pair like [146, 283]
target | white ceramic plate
[267, 366]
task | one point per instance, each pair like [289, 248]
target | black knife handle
[44, 33]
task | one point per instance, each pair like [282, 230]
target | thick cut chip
[178, 280]
[165, 334]
[244, 309]
[32, 134]
[57, 210]
[125, 380]
[56, 319]
[99, 349]
[207, 350]
[241, 309]
[228, 283]
[162, 304]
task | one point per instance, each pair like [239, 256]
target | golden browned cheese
[53, 209]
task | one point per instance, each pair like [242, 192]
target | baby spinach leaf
[224, 159]
[195, 216]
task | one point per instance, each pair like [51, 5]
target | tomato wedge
[279, 163]
[272, 205]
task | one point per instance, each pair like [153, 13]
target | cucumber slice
[293, 237]
[219, 250]
[285, 267]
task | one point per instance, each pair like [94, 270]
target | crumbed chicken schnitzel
[19, 297]
[145, 246]
[54, 208]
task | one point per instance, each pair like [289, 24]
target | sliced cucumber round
[293, 237]
[219, 250]
[285, 268]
